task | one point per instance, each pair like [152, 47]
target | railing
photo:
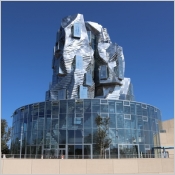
[49, 156]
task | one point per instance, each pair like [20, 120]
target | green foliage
[101, 137]
[5, 136]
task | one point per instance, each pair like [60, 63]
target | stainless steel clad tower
[86, 64]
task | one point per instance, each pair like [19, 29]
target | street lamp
[21, 141]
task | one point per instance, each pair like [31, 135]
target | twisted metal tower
[86, 64]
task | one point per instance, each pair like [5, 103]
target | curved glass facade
[67, 127]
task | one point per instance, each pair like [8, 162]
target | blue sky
[145, 30]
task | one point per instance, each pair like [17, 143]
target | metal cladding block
[126, 91]
[53, 95]
[86, 64]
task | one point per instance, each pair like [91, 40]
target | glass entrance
[107, 153]
[48, 153]
[62, 153]
[128, 151]
[80, 151]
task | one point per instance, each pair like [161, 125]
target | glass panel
[77, 30]
[40, 124]
[78, 122]
[119, 107]
[147, 137]
[94, 135]
[140, 136]
[40, 137]
[54, 138]
[111, 107]
[87, 136]
[134, 136]
[138, 109]
[88, 79]
[153, 124]
[128, 151]
[87, 151]
[120, 121]
[62, 121]
[139, 122]
[70, 121]
[128, 136]
[35, 113]
[55, 111]
[127, 123]
[103, 74]
[79, 107]
[94, 116]
[28, 137]
[112, 135]
[133, 121]
[132, 105]
[144, 111]
[114, 151]
[96, 151]
[87, 120]
[48, 108]
[63, 106]
[33, 150]
[71, 151]
[121, 136]
[47, 123]
[112, 120]
[83, 92]
[127, 110]
[78, 151]
[95, 105]
[55, 124]
[87, 105]
[62, 136]
[71, 106]
[34, 125]
[47, 137]
[41, 112]
[151, 111]
[71, 136]
[78, 136]
[79, 62]
[104, 108]
[146, 125]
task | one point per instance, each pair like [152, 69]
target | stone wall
[87, 166]
[167, 139]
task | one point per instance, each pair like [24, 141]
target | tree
[5, 136]
[101, 137]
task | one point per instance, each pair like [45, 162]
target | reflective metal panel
[53, 95]
[89, 36]
[62, 94]
[47, 95]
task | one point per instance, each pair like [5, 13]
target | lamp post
[21, 141]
